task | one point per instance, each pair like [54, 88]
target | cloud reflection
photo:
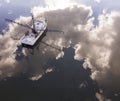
[98, 44]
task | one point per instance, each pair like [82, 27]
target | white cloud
[49, 70]
[98, 1]
[57, 19]
[99, 45]
[83, 85]
[7, 1]
[101, 97]
[101, 50]
[59, 4]
[36, 77]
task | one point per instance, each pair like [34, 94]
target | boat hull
[30, 38]
[37, 41]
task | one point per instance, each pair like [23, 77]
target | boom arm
[55, 30]
[8, 20]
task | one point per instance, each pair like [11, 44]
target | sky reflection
[100, 44]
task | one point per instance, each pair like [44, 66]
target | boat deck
[30, 38]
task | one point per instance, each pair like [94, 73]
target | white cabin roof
[28, 39]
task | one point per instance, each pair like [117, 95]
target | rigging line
[51, 46]
[54, 30]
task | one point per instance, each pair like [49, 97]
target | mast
[33, 21]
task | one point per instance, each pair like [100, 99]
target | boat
[30, 38]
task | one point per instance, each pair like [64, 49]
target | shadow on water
[68, 82]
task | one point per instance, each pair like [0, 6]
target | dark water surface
[68, 82]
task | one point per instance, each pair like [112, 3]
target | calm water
[16, 8]
[68, 82]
